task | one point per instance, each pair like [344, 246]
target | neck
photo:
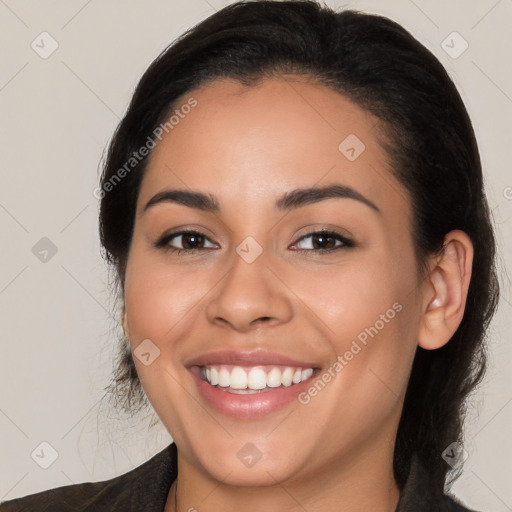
[359, 483]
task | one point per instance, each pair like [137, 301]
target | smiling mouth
[246, 380]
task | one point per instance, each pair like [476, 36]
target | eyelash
[163, 243]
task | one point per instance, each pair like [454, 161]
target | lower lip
[249, 406]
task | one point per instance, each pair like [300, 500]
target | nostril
[262, 319]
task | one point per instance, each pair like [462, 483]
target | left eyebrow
[290, 200]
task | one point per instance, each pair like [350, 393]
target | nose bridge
[249, 291]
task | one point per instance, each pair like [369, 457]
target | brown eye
[323, 241]
[192, 240]
[185, 241]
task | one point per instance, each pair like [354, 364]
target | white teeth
[224, 378]
[255, 379]
[274, 378]
[238, 378]
[287, 377]
[306, 374]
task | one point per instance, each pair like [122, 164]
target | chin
[241, 464]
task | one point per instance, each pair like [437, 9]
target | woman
[294, 208]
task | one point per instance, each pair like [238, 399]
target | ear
[445, 291]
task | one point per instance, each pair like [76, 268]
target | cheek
[351, 296]
[371, 331]
[161, 302]
[159, 296]
[371, 323]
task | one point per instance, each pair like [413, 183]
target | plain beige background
[57, 318]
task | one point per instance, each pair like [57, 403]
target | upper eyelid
[170, 236]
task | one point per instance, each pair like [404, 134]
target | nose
[248, 295]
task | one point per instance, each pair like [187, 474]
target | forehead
[251, 143]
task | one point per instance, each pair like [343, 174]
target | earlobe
[445, 291]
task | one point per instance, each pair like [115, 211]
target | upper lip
[244, 358]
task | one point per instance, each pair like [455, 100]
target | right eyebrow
[196, 200]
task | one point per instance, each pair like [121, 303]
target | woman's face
[255, 297]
